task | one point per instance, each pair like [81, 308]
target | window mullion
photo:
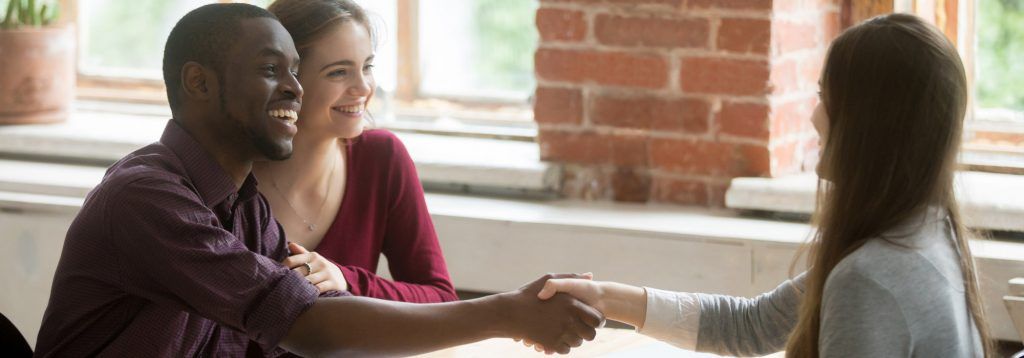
[408, 81]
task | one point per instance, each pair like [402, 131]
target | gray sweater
[883, 300]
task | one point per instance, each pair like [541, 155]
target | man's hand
[557, 324]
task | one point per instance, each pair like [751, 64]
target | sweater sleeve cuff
[351, 279]
[672, 317]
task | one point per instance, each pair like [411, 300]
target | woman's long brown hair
[308, 20]
[895, 92]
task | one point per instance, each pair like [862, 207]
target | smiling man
[176, 253]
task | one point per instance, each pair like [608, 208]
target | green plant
[29, 13]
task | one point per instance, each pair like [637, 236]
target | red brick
[791, 36]
[724, 76]
[651, 32]
[833, 25]
[629, 150]
[580, 148]
[751, 160]
[787, 6]
[785, 158]
[561, 25]
[745, 36]
[631, 185]
[558, 105]
[744, 119]
[671, 3]
[792, 117]
[607, 68]
[676, 115]
[810, 70]
[686, 192]
[709, 158]
[784, 77]
[730, 4]
[716, 194]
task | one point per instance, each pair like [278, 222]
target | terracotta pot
[37, 74]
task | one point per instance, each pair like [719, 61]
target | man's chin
[278, 156]
[274, 151]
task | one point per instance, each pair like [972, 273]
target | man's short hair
[204, 35]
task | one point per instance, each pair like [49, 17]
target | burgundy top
[167, 258]
[383, 211]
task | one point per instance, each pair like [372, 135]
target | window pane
[1000, 50]
[126, 37]
[477, 48]
[383, 17]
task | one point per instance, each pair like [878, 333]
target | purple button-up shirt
[167, 258]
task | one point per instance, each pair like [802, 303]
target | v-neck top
[383, 211]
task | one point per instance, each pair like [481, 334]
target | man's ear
[198, 82]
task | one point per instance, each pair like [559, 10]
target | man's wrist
[497, 311]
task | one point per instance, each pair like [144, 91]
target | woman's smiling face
[337, 75]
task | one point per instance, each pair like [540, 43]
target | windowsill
[990, 201]
[446, 163]
[494, 244]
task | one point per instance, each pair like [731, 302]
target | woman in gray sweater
[891, 274]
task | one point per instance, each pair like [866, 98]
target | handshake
[559, 311]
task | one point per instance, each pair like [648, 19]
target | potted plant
[37, 64]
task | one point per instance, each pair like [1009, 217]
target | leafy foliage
[507, 38]
[1000, 55]
[29, 13]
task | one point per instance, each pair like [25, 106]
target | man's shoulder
[154, 164]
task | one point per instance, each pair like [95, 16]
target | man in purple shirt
[176, 253]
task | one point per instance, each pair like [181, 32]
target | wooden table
[610, 342]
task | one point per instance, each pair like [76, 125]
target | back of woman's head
[895, 94]
[309, 20]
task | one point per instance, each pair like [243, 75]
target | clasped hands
[601, 300]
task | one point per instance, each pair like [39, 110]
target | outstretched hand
[616, 301]
[557, 324]
[586, 290]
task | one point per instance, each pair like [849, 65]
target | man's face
[260, 94]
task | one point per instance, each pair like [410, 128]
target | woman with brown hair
[347, 193]
[891, 272]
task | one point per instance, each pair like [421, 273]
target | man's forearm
[359, 326]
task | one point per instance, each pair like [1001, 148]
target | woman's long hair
[309, 20]
[895, 92]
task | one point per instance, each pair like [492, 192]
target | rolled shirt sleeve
[672, 317]
[723, 324]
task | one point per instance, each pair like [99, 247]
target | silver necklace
[309, 225]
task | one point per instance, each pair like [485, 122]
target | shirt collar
[210, 179]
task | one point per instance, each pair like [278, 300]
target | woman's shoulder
[377, 138]
[895, 267]
[380, 144]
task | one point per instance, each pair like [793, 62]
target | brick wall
[667, 100]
